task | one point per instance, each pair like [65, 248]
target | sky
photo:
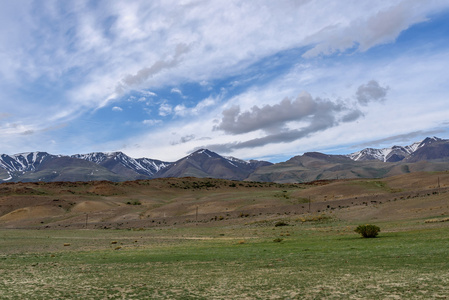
[251, 79]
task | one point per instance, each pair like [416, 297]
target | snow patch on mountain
[394, 153]
[22, 162]
[9, 178]
[143, 166]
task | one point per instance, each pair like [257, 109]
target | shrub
[368, 230]
[280, 223]
[136, 202]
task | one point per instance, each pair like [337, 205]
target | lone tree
[368, 230]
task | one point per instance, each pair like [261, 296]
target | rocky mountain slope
[414, 152]
[317, 166]
[205, 163]
[41, 166]
[117, 166]
[120, 163]
[431, 154]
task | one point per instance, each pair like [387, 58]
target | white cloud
[117, 108]
[152, 122]
[180, 110]
[200, 107]
[165, 109]
[176, 91]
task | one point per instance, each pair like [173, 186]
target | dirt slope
[194, 201]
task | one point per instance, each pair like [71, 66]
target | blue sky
[255, 80]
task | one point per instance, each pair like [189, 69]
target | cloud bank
[310, 114]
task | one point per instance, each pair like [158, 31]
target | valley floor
[313, 258]
[285, 250]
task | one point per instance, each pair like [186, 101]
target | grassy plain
[321, 259]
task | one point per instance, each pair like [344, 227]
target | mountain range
[431, 154]
[423, 150]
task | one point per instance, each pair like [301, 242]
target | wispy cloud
[400, 138]
[142, 75]
[380, 26]
[152, 122]
[176, 91]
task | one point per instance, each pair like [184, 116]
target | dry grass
[201, 202]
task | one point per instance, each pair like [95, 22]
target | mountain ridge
[394, 153]
[432, 153]
[205, 163]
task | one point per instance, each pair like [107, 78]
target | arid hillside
[205, 201]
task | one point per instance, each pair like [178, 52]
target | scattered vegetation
[224, 262]
[368, 230]
[315, 218]
[437, 220]
[135, 202]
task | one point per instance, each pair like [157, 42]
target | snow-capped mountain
[117, 166]
[393, 154]
[23, 162]
[430, 149]
[205, 163]
[42, 166]
[118, 162]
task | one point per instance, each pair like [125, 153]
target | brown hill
[205, 201]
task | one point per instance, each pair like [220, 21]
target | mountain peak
[23, 162]
[203, 150]
[206, 163]
[206, 152]
[429, 140]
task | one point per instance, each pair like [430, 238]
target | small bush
[368, 230]
[278, 240]
[280, 223]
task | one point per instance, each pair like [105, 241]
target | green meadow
[321, 258]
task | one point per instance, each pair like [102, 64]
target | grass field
[321, 259]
